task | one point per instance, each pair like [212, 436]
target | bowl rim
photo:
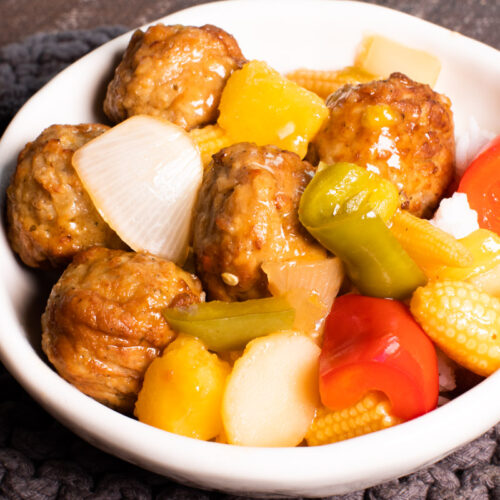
[264, 470]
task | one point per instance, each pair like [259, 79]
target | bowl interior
[313, 34]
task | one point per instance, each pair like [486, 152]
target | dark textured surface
[478, 19]
[40, 459]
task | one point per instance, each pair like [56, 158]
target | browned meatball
[103, 324]
[398, 128]
[50, 215]
[175, 72]
[246, 215]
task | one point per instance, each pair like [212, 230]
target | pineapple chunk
[260, 105]
[182, 390]
[380, 56]
[272, 392]
[484, 271]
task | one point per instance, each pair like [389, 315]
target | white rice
[454, 214]
[455, 217]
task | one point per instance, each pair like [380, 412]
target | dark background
[39, 458]
[478, 19]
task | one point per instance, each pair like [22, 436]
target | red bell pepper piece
[375, 344]
[481, 182]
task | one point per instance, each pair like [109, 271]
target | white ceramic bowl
[287, 34]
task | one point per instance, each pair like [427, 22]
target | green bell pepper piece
[345, 188]
[345, 208]
[224, 326]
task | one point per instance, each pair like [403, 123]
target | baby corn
[209, 140]
[463, 321]
[426, 243]
[323, 83]
[371, 414]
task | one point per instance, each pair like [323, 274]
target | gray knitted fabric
[41, 460]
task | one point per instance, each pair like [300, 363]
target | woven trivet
[41, 460]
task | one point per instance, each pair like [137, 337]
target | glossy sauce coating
[103, 325]
[174, 72]
[50, 216]
[246, 215]
[397, 128]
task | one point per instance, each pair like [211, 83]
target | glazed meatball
[174, 72]
[398, 128]
[50, 215]
[103, 324]
[246, 215]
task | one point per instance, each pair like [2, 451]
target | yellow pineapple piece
[182, 390]
[372, 413]
[260, 105]
[463, 321]
[272, 392]
[382, 56]
[489, 281]
[484, 271]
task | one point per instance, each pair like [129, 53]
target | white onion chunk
[143, 176]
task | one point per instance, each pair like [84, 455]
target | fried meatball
[103, 324]
[50, 215]
[246, 215]
[398, 128]
[174, 72]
